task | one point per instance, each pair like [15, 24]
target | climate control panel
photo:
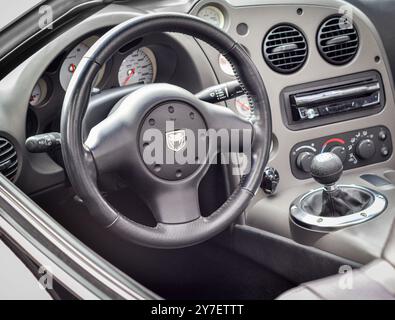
[355, 149]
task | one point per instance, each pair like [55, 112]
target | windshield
[10, 13]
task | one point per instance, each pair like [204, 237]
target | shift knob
[326, 168]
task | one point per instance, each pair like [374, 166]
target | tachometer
[139, 66]
[72, 60]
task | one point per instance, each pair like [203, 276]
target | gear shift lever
[326, 169]
[334, 206]
[332, 200]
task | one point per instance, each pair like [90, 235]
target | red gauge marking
[132, 72]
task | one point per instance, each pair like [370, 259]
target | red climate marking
[334, 140]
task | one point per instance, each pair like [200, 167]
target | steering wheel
[118, 143]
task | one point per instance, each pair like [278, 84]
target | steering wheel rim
[81, 164]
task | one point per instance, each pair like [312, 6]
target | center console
[324, 158]
[330, 90]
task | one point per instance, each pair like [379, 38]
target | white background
[11, 10]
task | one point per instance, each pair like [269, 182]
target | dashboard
[328, 79]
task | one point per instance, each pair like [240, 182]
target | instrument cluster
[129, 66]
[148, 60]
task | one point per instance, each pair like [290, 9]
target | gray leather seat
[375, 281]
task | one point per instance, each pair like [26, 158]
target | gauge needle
[244, 106]
[130, 75]
[72, 68]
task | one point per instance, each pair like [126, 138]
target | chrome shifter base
[325, 224]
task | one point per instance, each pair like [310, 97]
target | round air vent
[338, 40]
[285, 49]
[8, 159]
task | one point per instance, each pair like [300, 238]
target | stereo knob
[340, 151]
[365, 149]
[303, 161]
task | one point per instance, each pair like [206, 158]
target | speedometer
[139, 66]
[72, 60]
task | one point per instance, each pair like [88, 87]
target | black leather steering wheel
[116, 144]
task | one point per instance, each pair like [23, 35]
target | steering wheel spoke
[174, 203]
[107, 145]
[228, 132]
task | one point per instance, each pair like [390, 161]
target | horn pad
[171, 140]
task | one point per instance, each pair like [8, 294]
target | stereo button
[384, 151]
[382, 135]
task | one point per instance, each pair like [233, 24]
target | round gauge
[72, 60]
[139, 66]
[212, 15]
[225, 65]
[243, 107]
[39, 93]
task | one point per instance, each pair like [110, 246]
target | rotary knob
[340, 151]
[303, 161]
[365, 149]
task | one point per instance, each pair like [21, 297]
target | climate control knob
[303, 161]
[365, 149]
[340, 151]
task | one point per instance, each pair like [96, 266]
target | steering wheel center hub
[172, 140]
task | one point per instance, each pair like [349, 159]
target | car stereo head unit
[332, 100]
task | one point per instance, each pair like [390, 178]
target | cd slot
[336, 94]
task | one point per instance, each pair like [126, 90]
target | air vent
[8, 159]
[285, 49]
[337, 40]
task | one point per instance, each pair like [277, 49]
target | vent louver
[285, 49]
[8, 159]
[338, 40]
